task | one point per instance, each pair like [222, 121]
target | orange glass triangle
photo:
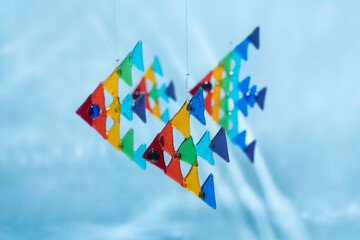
[100, 124]
[98, 97]
[173, 171]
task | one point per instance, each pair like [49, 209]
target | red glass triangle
[83, 111]
[157, 146]
[166, 139]
[207, 101]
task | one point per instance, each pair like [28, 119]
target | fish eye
[136, 95]
[206, 86]
[94, 111]
[153, 155]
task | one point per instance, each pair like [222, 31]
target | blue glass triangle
[139, 107]
[203, 150]
[138, 156]
[242, 106]
[242, 49]
[260, 98]
[219, 145]
[162, 93]
[254, 38]
[209, 191]
[240, 140]
[165, 116]
[156, 66]
[251, 98]
[170, 91]
[244, 85]
[196, 106]
[136, 57]
[249, 150]
[126, 107]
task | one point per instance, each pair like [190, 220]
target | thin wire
[231, 20]
[187, 49]
[115, 35]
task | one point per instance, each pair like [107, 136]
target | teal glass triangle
[136, 57]
[156, 66]
[203, 150]
[138, 156]
[126, 107]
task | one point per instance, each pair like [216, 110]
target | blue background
[60, 180]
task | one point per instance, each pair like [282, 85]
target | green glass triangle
[153, 93]
[187, 151]
[226, 63]
[127, 144]
[224, 122]
[124, 70]
[224, 104]
[225, 84]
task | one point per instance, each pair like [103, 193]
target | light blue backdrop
[60, 180]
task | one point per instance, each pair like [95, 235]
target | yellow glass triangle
[181, 121]
[149, 75]
[192, 180]
[156, 110]
[114, 110]
[114, 136]
[217, 72]
[111, 84]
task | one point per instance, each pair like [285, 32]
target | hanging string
[115, 35]
[187, 50]
[230, 23]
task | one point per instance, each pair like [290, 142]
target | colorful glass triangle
[139, 107]
[242, 49]
[124, 70]
[140, 161]
[173, 171]
[154, 154]
[149, 75]
[136, 57]
[126, 107]
[156, 66]
[166, 139]
[162, 93]
[153, 93]
[219, 145]
[165, 116]
[111, 84]
[191, 181]
[209, 191]
[254, 38]
[196, 106]
[170, 91]
[203, 150]
[127, 144]
[181, 121]
[187, 151]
